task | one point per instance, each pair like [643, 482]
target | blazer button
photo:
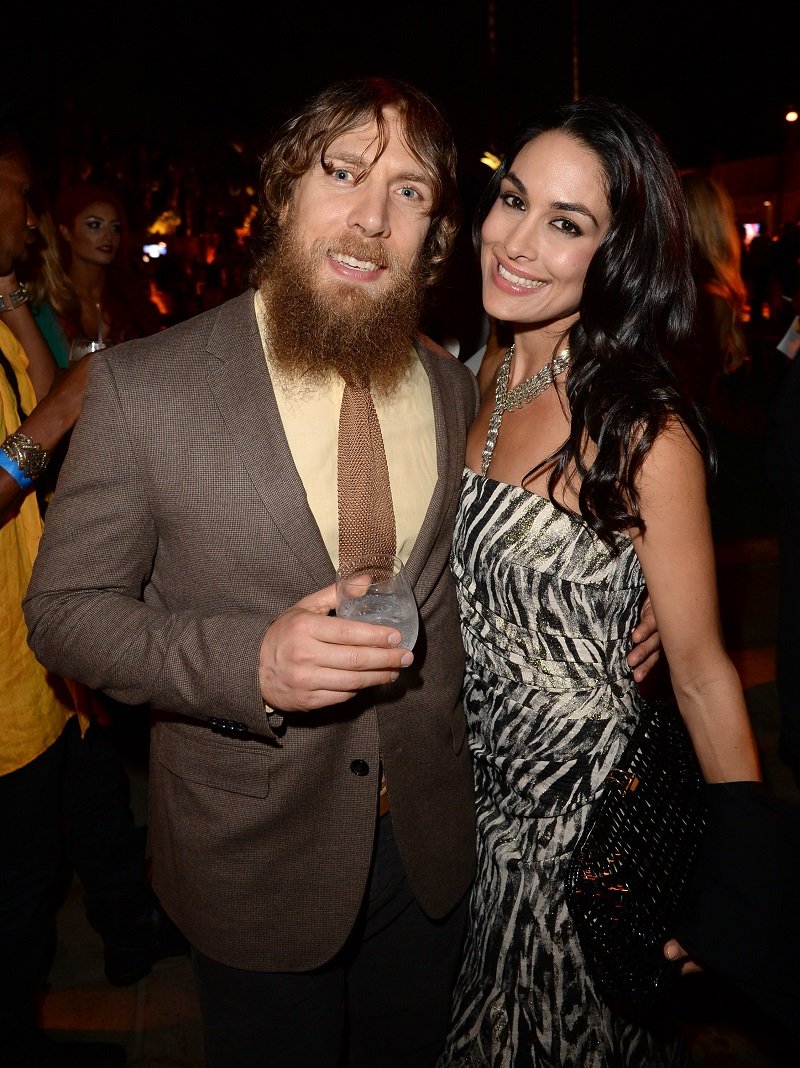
[360, 767]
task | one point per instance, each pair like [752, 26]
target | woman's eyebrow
[579, 209]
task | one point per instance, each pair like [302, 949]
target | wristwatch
[28, 454]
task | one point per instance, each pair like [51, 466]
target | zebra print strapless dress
[547, 612]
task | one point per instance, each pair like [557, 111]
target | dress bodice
[542, 598]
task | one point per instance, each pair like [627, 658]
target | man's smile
[351, 261]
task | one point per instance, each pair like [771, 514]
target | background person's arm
[20, 321]
[51, 419]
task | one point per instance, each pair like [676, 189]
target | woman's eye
[116, 228]
[567, 226]
[340, 174]
[512, 200]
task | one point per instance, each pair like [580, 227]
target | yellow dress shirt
[34, 711]
[311, 423]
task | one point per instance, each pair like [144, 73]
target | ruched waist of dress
[544, 659]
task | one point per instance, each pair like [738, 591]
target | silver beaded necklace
[506, 400]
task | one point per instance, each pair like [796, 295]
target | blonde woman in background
[719, 346]
[79, 276]
[48, 289]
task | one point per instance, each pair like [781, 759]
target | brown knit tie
[366, 514]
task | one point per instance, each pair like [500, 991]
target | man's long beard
[318, 328]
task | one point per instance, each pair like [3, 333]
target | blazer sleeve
[86, 610]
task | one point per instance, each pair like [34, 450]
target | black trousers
[73, 795]
[383, 1000]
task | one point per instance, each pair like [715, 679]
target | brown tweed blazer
[179, 530]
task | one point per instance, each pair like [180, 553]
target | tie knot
[358, 382]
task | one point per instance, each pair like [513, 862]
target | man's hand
[675, 952]
[310, 659]
[646, 651]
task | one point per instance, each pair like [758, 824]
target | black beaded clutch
[628, 878]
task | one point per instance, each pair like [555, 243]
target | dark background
[173, 101]
[714, 79]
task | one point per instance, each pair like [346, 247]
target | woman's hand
[675, 952]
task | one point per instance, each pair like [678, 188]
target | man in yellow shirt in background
[58, 773]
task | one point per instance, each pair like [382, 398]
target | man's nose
[369, 212]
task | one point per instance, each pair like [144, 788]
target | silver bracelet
[16, 298]
[29, 456]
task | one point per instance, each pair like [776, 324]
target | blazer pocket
[238, 767]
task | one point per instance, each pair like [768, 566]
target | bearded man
[188, 564]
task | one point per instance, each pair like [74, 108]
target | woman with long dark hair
[585, 484]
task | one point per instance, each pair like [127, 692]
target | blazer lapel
[239, 380]
[450, 429]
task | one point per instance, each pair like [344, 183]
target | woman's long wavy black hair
[636, 309]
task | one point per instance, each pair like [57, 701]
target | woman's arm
[677, 556]
[21, 323]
